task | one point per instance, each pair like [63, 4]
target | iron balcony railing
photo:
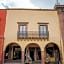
[33, 34]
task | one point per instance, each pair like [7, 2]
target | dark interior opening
[53, 53]
[12, 52]
[32, 53]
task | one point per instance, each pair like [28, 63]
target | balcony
[32, 34]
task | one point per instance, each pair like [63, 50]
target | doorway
[33, 53]
[12, 53]
[52, 54]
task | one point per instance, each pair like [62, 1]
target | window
[62, 9]
[22, 31]
[43, 30]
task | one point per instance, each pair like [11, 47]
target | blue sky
[42, 4]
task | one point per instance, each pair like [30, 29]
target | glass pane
[22, 31]
[43, 28]
[22, 28]
[43, 31]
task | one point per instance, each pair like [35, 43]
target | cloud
[16, 4]
[25, 4]
[28, 3]
[7, 4]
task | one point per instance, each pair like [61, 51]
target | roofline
[58, 6]
[29, 9]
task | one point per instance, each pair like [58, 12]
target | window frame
[43, 31]
[22, 24]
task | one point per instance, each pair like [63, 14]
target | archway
[33, 54]
[52, 54]
[12, 53]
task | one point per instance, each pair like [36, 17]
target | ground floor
[32, 54]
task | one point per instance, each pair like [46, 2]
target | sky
[30, 4]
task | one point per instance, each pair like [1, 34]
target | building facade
[60, 9]
[32, 36]
[2, 27]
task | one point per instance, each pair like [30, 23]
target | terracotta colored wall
[2, 28]
[61, 17]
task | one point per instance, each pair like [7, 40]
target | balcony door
[43, 29]
[23, 31]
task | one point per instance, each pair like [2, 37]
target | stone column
[62, 55]
[35, 57]
[10, 53]
[42, 57]
[22, 57]
[62, 59]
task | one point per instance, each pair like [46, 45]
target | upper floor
[32, 23]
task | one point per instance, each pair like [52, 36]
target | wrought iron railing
[33, 34]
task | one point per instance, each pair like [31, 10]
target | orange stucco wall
[2, 29]
[33, 17]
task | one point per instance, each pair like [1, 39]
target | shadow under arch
[52, 43]
[36, 44]
[12, 52]
[33, 53]
[52, 53]
[12, 44]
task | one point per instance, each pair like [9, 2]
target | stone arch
[33, 43]
[33, 52]
[52, 43]
[52, 53]
[12, 52]
[12, 43]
